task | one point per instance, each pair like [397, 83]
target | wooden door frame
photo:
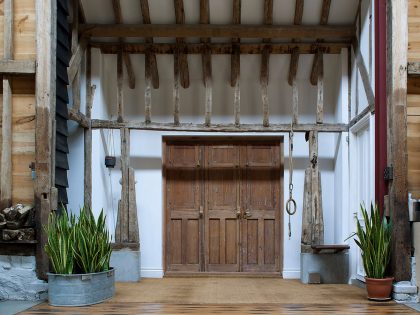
[235, 139]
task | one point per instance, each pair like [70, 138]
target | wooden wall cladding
[413, 30]
[23, 146]
[24, 30]
[413, 143]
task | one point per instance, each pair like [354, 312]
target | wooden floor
[230, 296]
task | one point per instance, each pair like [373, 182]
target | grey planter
[80, 289]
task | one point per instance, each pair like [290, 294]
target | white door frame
[367, 122]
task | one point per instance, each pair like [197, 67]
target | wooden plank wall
[23, 100]
[413, 100]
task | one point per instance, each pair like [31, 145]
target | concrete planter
[80, 289]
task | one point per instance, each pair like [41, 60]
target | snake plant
[92, 247]
[78, 246]
[374, 241]
[60, 232]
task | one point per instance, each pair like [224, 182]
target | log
[148, 91]
[264, 85]
[6, 146]
[27, 234]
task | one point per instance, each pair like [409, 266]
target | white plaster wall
[146, 146]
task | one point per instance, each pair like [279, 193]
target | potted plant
[79, 252]
[374, 241]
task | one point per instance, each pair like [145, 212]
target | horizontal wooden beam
[79, 117]
[113, 124]
[222, 49]
[212, 30]
[17, 67]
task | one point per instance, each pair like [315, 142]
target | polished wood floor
[234, 309]
[220, 295]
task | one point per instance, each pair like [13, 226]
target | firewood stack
[17, 223]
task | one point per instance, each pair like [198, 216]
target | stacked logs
[17, 223]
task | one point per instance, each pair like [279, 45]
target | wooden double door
[223, 204]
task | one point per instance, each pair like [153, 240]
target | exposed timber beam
[17, 67]
[113, 124]
[264, 77]
[325, 12]
[145, 13]
[221, 49]
[6, 128]
[76, 59]
[235, 64]
[116, 5]
[45, 91]
[294, 58]
[180, 40]
[212, 30]
[120, 101]
[397, 43]
[79, 117]
[364, 75]
[206, 62]
[265, 63]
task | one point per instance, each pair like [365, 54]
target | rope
[291, 203]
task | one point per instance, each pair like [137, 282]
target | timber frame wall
[324, 39]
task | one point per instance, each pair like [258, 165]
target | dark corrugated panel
[61, 177]
[63, 58]
[61, 160]
[61, 144]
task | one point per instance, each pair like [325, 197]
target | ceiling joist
[126, 57]
[325, 32]
[150, 56]
[222, 49]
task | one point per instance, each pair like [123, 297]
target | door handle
[238, 213]
[201, 211]
[248, 214]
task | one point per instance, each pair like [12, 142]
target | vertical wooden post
[123, 220]
[176, 88]
[120, 101]
[236, 65]
[88, 132]
[264, 85]
[45, 89]
[320, 84]
[6, 143]
[148, 89]
[397, 137]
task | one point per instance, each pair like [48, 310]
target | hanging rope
[291, 203]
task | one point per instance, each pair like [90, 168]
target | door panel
[224, 209]
[222, 200]
[183, 198]
[260, 199]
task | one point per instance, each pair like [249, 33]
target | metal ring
[293, 202]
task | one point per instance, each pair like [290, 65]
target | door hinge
[389, 173]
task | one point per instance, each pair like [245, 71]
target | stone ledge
[404, 287]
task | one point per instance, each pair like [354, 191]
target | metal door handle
[238, 213]
[201, 213]
[248, 214]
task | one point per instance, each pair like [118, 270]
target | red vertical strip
[380, 102]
